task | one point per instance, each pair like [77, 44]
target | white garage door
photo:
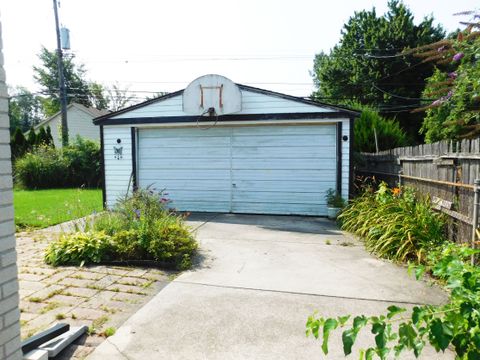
[254, 169]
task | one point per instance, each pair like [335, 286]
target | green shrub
[394, 224]
[83, 159]
[171, 242]
[43, 169]
[79, 249]
[127, 247]
[46, 167]
[389, 132]
[139, 228]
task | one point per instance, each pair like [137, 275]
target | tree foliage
[78, 88]
[76, 84]
[454, 111]
[366, 66]
[25, 109]
[388, 131]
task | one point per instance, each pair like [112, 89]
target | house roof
[337, 111]
[88, 110]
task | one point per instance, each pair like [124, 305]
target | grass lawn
[43, 208]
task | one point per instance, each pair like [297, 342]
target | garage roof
[138, 114]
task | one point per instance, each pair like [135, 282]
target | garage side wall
[118, 165]
[345, 158]
[9, 312]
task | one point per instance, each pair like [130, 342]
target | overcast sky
[157, 45]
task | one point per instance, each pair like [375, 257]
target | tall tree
[368, 66]
[76, 84]
[25, 109]
[99, 96]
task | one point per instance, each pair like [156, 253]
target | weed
[97, 324]
[95, 287]
[53, 293]
[60, 316]
[328, 242]
[35, 299]
[110, 331]
[73, 316]
[107, 309]
[147, 284]
[50, 307]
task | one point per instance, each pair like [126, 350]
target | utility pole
[61, 80]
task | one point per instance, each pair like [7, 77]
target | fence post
[476, 191]
[400, 173]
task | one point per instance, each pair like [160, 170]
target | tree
[25, 109]
[118, 98]
[454, 110]
[371, 124]
[42, 136]
[76, 85]
[367, 65]
[49, 139]
[32, 138]
[18, 144]
[99, 96]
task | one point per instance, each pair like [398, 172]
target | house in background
[224, 147]
[79, 123]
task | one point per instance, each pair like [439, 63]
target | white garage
[223, 147]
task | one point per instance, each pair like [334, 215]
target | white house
[79, 119]
[224, 147]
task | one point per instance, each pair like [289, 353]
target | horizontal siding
[80, 123]
[252, 103]
[191, 165]
[345, 185]
[257, 169]
[117, 172]
[299, 150]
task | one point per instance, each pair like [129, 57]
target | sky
[161, 46]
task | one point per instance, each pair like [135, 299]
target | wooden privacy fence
[445, 170]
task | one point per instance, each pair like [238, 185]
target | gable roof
[88, 110]
[334, 111]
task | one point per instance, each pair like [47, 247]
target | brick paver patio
[99, 297]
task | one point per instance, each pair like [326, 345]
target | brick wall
[9, 312]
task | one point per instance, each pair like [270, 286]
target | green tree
[454, 111]
[25, 109]
[42, 136]
[18, 143]
[99, 96]
[388, 131]
[366, 65]
[76, 84]
[49, 139]
[32, 138]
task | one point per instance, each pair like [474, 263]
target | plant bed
[139, 230]
[396, 224]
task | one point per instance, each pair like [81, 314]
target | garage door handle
[234, 185]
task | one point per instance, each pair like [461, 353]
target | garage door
[254, 169]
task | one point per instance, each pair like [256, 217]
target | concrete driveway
[257, 281]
